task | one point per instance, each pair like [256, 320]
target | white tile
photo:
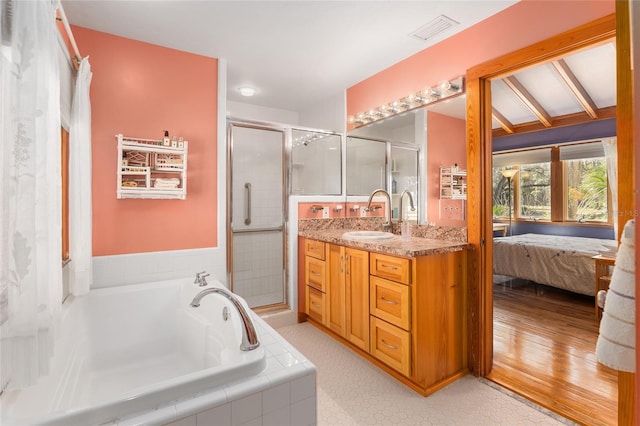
[185, 421]
[287, 359]
[201, 403]
[219, 416]
[245, 387]
[154, 417]
[279, 417]
[302, 388]
[246, 409]
[303, 412]
[276, 397]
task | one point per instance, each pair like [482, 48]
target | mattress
[558, 261]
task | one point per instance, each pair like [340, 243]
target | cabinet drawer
[314, 248]
[316, 304]
[390, 301]
[391, 345]
[314, 272]
[391, 267]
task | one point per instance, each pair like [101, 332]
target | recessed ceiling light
[247, 91]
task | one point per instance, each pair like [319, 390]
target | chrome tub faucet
[249, 334]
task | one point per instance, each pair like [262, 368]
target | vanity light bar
[443, 90]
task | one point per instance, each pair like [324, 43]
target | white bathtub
[123, 350]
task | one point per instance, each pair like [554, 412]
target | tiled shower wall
[258, 267]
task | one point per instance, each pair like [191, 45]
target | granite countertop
[414, 247]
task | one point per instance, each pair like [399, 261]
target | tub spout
[249, 335]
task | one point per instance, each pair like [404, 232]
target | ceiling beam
[502, 121]
[530, 102]
[559, 121]
[578, 90]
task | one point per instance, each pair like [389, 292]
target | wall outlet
[325, 212]
[363, 212]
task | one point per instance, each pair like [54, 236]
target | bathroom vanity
[400, 303]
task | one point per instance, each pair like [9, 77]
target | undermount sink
[367, 235]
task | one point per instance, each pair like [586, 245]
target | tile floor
[351, 391]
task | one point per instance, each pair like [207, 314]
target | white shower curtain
[80, 268]
[611, 155]
[30, 188]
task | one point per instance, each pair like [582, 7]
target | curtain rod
[67, 28]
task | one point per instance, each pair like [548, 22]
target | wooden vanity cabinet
[348, 305]
[315, 281]
[390, 311]
[406, 315]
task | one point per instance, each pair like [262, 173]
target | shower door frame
[286, 153]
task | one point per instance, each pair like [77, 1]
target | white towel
[166, 183]
[617, 340]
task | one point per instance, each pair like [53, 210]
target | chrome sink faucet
[386, 226]
[249, 334]
[411, 205]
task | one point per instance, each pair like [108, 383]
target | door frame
[479, 173]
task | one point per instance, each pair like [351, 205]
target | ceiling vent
[434, 27]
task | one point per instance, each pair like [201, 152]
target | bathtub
[122, 350]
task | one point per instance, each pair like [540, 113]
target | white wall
[260, 113]
[327, 115]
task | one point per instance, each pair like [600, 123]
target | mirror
[406, 158]
[366, 166]
[316, 163]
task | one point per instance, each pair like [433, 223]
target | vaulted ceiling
[578, 88]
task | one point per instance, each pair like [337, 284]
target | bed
[558, 261]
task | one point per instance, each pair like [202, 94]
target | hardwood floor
[544, 349]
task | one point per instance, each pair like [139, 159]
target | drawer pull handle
[317, 274]
[316, 305]
[393, 268]
[395, 348]
[390, 302]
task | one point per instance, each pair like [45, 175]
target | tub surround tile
[200, 403]
[276, 398]
[245, 409]
[159, 416]
[303, 388]
[215, 416]
[186, 421]
[135, 268]
[272, 397]
[278, 417]
[241, 388]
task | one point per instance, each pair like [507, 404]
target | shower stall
[257, 213]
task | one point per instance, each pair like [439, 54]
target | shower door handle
[247, 218]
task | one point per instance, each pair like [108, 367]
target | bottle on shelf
[165, 139]
[174, 141]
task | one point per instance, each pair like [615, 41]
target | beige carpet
[351, 391]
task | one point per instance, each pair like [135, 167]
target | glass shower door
[257, 214]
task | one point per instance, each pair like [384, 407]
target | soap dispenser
[165, 139]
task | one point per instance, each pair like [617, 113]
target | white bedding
[557, 261]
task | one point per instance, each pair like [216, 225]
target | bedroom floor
[544, 349]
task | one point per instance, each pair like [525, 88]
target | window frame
[558, 197]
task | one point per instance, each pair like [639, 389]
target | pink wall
[446, 145]
[520, 25]
[139, 89]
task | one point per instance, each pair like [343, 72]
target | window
[586, 189]
[560, 184]
[534, 195]
[500, 194]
